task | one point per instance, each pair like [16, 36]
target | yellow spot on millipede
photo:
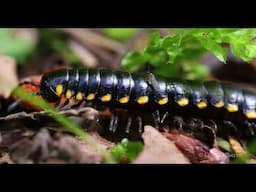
[163, 101]
[106, 98]
[124, 99]
[232, 108]
[90, 96]
[202, 105]
[79, 96]
[219, 104]
[142, 100]
[251, 114]
[68, 94]
[183, 102]
[59, 89]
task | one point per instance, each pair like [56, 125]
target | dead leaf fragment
[57, 148]
[158, 149]
[195, 150]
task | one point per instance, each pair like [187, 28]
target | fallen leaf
[159, 150]
[57, 148]
[76, 150]
[195, 150]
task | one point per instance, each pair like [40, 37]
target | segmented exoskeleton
[145, 93]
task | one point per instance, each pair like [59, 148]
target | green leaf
[155, 43]
[172, 41]
[239, 50]
[172, 47]
[121, 34]
[219, 51]
[134, 60]
[169, 70]
[126, 150]
[173, 53]
[178, 55]
[251, 146]
[251, 50]
[224, 144]
[195, 71]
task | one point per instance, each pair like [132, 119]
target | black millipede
[161, 98]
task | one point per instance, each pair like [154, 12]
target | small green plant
[126, 151]
[178, 55]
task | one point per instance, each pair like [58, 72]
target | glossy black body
[120, 84]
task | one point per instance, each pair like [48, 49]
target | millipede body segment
[147, 93]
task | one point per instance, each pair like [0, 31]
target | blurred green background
[174, 53]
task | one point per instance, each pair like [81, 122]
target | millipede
[160, 98]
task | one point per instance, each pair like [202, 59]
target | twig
[90, 113]
[89, 60]
[86, 36]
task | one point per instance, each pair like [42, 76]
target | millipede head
[47, 91]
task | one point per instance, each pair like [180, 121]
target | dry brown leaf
[8, 75]
[57, 148]
[195, 150]
[158, 149]
[78, 151]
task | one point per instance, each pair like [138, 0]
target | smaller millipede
[161, 98]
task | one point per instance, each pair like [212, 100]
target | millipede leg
[254, 127]
[250, 128]
[211, 134]
[156, 118]
[229, 124]
[164, 117]
[178, 123]
[111, 124]
[195, 124]
[200, 124]
[13, 106]
[128, 125]
[140, 128]
[63, 105]
[115, 124]
[213, 125]
[77, 104]
[113, 121]
[16, 103]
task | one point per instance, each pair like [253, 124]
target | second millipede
[145, 93]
